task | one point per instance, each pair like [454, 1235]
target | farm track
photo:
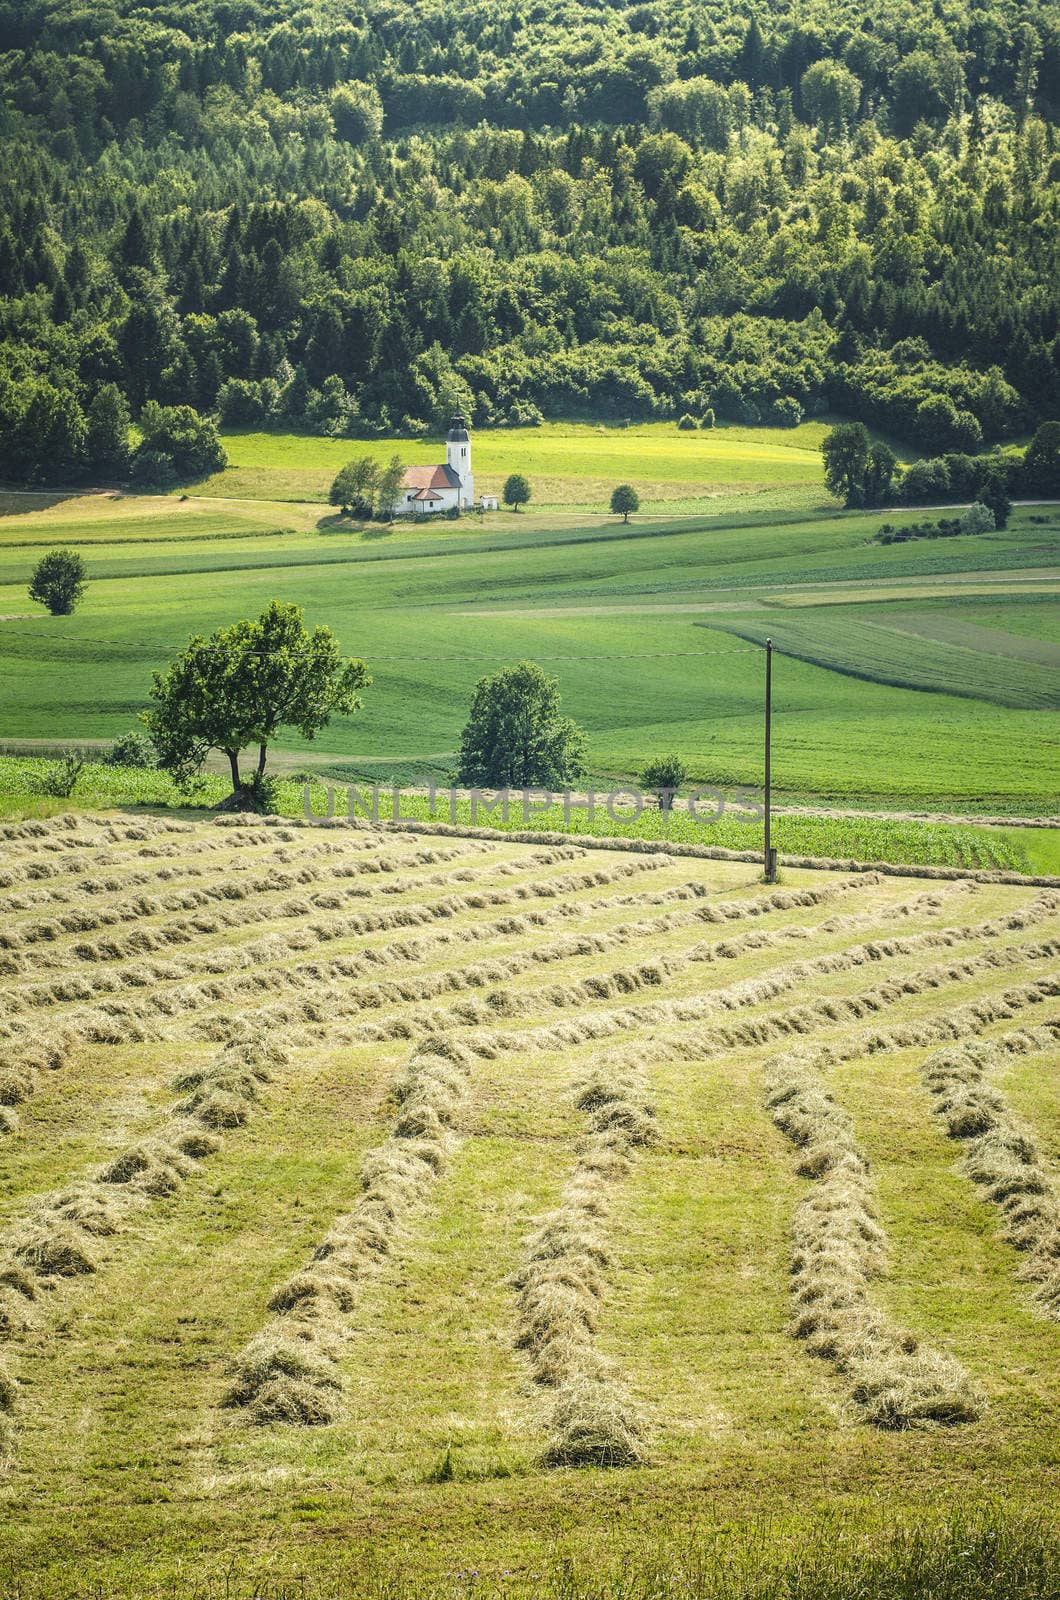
[231, 970]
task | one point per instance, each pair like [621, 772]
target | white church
[446, 487]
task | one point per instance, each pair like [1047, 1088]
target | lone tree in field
[625, 499]
[515, 736]
[516, 491]
[354, 489]
[664, 776]
[58, 581]
[243, 684]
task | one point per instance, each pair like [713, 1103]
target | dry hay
[1000, 1154]
[594, 1424]
[395, 1176]
[8, 1406]
[284, 1380]
[838, 1250]
[562, 1282]
[805, 1019]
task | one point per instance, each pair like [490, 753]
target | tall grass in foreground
[982, 1555]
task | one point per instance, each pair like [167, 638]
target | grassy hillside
[917, 672]
[486, 1158]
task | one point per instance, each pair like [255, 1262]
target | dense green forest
[351, 218]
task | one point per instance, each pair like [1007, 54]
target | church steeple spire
[458, 458]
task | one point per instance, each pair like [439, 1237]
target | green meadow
[569, 465]
[918, 674]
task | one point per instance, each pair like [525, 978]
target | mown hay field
[449, 1203]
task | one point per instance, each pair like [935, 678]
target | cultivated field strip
[1001, 1156]
[61, 1237]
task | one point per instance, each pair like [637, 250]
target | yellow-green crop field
[386, 1212]
[571, 466]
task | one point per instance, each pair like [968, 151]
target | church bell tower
[458, 457]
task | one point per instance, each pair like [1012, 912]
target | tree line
[358, 220]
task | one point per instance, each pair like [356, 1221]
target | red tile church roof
[442, 477]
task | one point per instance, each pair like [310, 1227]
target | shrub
[664, 775]
[785, 412]
[707, 419]
[61, 778]
[131, 750]
[977, 519]
[687, 422]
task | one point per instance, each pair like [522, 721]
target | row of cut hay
[240, 886]
[243, 886]
[1000, 1154]
[122, 1022]
[804, 1020]
[82, 873]
[319, 930]
[562, 1283]
[89, 854]
[96, 877]
[745, 993]
[274, 949]
[838, 1250]
[72, 829]
[706, 852]
[60, 1237]
[20, 1070]
[289, 1372]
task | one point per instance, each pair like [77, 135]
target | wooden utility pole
[770, 855]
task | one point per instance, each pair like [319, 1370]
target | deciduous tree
[515, 736]
[58, 581]
[664, 776]
[243, 684]
[624, 499]
[516, 491]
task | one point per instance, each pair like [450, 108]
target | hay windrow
[1001, 1156]
[396, 1176]
[562, 1282]
[838, 1249]
[64, 1234]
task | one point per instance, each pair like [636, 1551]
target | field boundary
[700, 852]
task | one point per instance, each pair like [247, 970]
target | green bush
[131, 750]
